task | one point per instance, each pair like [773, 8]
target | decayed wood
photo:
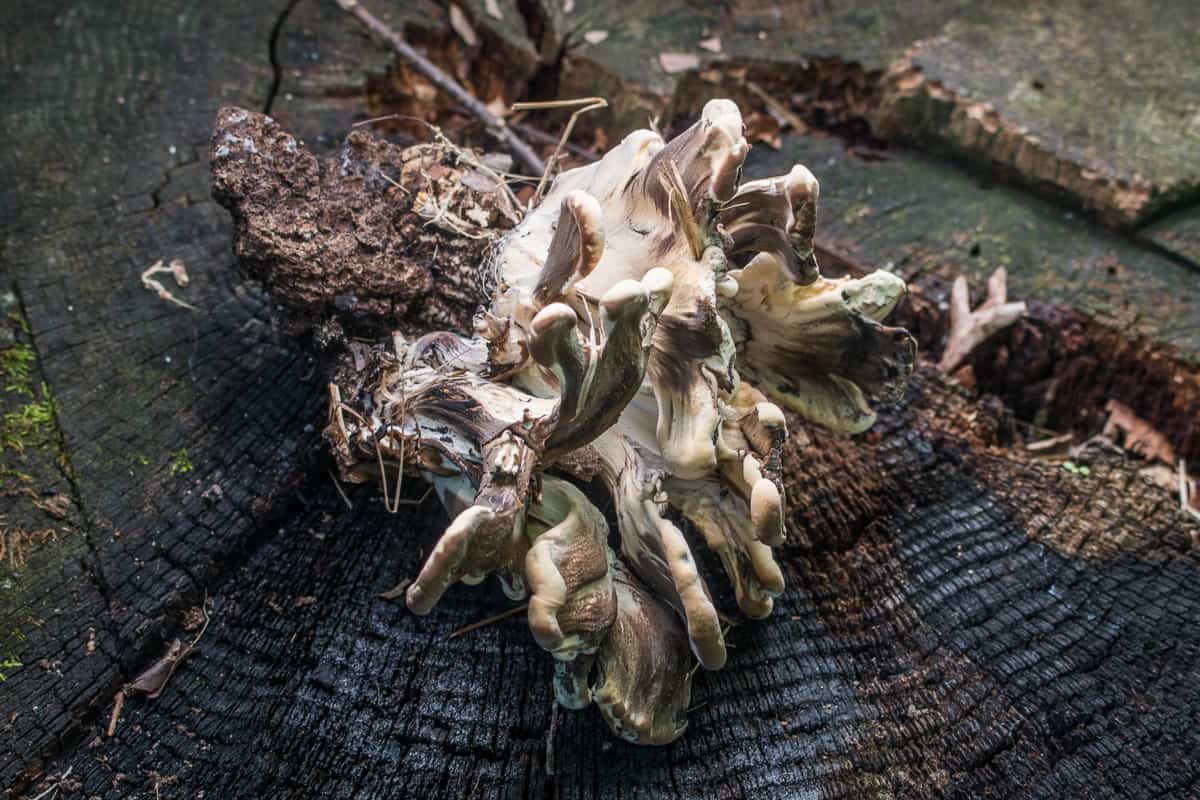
[965, 623]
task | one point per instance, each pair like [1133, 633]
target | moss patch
[32, 425]
[180, 463]
[16, 364]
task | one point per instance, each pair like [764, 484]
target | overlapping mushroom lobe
[652, 318]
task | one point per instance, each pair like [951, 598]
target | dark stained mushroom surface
[620, 326]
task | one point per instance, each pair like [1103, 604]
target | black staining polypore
[643, 685]
[575, 249]
[681, 341]
[621, 345]
[698, 161]
[776, 216]
[878, 358]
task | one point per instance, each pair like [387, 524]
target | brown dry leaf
[1137, 435]
[678, 62]
[1177, 482]
[1161, 474]
[154, 678]
[764, 128]
[479, 182]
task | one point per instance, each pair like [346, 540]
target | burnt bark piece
[340, 238]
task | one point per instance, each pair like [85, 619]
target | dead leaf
[712, 45]
[764, 128]
[678, 62]
[154, 678]
[1162, 475]
[595, 37]
[1136, 435]
[476, 180]
[500, 162]
[306, 600]
[493, 9]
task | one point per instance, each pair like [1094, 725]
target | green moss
[11, 662]
[180, 463]
[31, 426]
[16, 364]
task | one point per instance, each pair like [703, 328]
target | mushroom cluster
[650, 321]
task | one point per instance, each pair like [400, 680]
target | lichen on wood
[644, 326]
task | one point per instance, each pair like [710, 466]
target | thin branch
[426, 68]
[489, 621]
[969, 329]
[338, 485]
[56, 785]
[778, 108]
[177, 270]
[530, 132]
[581, 106]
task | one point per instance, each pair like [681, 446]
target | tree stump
[967, 622]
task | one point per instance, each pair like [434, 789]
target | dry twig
[428, 70]
[777, 108]
[969, 329]
[55, 786]
[489, 621]
[177, 270]
[585, 104]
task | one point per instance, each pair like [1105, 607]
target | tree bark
[963, 622]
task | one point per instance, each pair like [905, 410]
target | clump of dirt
[364, 236]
